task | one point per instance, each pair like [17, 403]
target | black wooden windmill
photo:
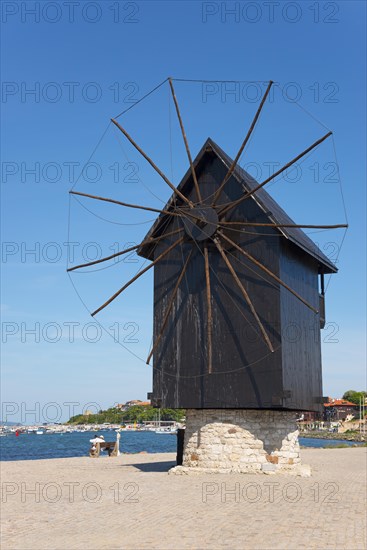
[237, 314]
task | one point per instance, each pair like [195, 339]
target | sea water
[64, 445]
[53, 445]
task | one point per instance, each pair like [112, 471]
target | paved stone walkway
[130, 502]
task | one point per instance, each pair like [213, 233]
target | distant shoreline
[334, 435]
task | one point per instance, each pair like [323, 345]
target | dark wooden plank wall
[301, 348]
[245, 374]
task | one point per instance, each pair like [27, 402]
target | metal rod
[244, 293]
[360, 415]
[251, 224]
[163, 176]
[209, 310]
[185, 141]
[250, 193]
[261, 266]
[322, 281]
[234, 163]
[162, 255]
[169, 308]
[148, 241]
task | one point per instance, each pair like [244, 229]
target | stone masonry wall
[218, 440]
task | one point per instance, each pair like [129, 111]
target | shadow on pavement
[153, 466]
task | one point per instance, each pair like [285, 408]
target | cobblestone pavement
[130, 502]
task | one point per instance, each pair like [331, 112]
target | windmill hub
[200, 222]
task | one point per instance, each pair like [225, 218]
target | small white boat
[39, 432]
[165, 431]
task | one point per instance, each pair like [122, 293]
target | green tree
[354, 396]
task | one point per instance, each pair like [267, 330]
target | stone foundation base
[241, 441]
[301, 470]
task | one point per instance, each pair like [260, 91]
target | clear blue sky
[88, 63]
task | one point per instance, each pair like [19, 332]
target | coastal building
[339, 409]
[333, 409]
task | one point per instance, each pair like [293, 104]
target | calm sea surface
[33, 447]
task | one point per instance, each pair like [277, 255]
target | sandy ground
[131, 502]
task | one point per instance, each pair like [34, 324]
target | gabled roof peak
[269, 206]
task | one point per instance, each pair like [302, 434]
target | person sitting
[94, 441]
[97, 439]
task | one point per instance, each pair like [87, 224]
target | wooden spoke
[148, 241]
[252, 224]
[234, 163]
[169, 308]
[185, 141]
[176, 212]
[209, 310]
[290, 163]
[174, 189]
[162, 255]
[245, 294]
[270, 273]
[113, 201]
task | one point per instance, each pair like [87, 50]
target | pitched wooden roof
[271, 208]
